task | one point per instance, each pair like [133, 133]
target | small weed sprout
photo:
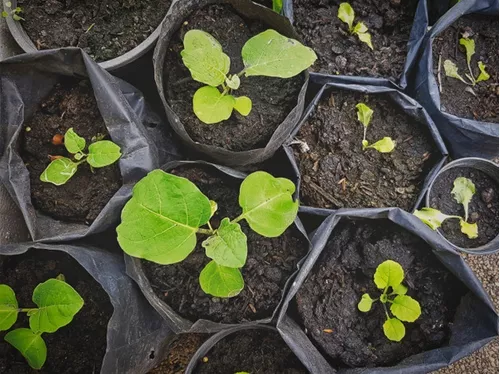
[346, 14]
[390, 275]
[14, 13]
[384, 145]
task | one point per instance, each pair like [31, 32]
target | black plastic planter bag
[464, 137]
[475, 323]
[135, 332]
[180, 10]
[180, 324]
[25, 80]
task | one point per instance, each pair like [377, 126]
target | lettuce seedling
[451, 70]
[14, 13]
[384, 145]
[390, 274]
[463, 190]
[266, 54]
[161, 222]
[57, 303]
[346, 14]
[100, 153]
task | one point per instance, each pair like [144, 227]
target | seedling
[346, 14]
[100, 153]
[390, 274]
[161, 222]
[14, 13]
[384, 145]
[57, 303]
[463, 190]
[266, 54]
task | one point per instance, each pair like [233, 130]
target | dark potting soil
[75, 348]
[84, 196]
[104, 29]
[272, 98]
[339, 52]
[252, 351]
[327, 301]
[270, 262]
[338, 173]
[483, 208]
[482, 106]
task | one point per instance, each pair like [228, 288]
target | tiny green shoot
[384, 145]
[14, 13]
[346, 15]
[389, 275]
[278, 6]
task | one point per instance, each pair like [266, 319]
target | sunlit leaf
[483, 76]
[210, 106]
[388, 274]
[73, 142]
[463, 190]
[394, 329]
[8, 307]
[451, 70]
[221, 281]
[384, 145]
[469, 229]
[233, 82]
[432, 217]
[228, 247]
[365, 113]
[346, 14]
[103, 153]
[366, 38]
[243, 105]
[59, 171]
[365, 304]
[30, 344]
[406, 308]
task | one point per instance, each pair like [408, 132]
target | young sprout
[390, 275]
[463, 190]
[278, 6]
[384, 145]
[346, 14]
[100, 153]
[266, 54]
[14, 13]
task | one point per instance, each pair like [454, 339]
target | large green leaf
[228, 247]
[30, 344]
[103, 153]
[432, 217]
[59, 171]
[221, 281]
[388, 274]
[204, 58]
[346, 14]
[8, 307]
[73, 142]
[210, 106]
[405, 308]
[267, 203]
[274, 55]
[463, 190]
[365, 114]
[365, 304]
[394, 329]
[160, 222]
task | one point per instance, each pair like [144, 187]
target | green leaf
[483, 76]
[8, 4]
[228, 246]
[365, 143]
[469, 229]
[8, 307]
[360, 28]
[274, 55]
[451, 70]
[432, 217]
[78, 156]
[160, 222]
[365, 304]
[267, 203]
[405, 308]
[5, 14]
[365, 114]
[31, 345]
[210, 106]
[388, 274]
[73, 142]
[59, 171]
[213, 208]
[103, 153]
[243, 105]
[366, 38]
[57, 303]
[463, 190]
[204, 58]
[394, 329]
[346, 14]
[400, 289]
[221, 281]
[233, 82]
[278, 6]
[16, 17]
[384, 145]
[470, 49]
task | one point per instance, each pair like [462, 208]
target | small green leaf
[451, 70]
[78, 156]
[233, 82]
[365, 114]
[73, 142]
[346, 14]
[8, 307]
[388, 274]
[406, 308]
[469, 229]
[5, 14]
[483, 76]
[432, 217]
[221, 281]
[365, 304]
[103, 153]
[243, 105]
[59, 171]
[400, 289]
[213, 208]
[31, 345]
[278, 6]
[366, 38]
[384, 145]
[463, 190]
[365, 143]
[470, 49]
[228, 246]
[8, 4]
[394, 329]
[360, 28]
[210, 106]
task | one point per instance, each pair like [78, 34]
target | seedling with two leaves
[14, 13]
[161, 222]
[346, 14]
[389, 277]
[384, 145]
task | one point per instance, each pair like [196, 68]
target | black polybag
[180, 10]
[136, 335]
[464, 137]
[180, 324]
[475, 323]
[25, 80]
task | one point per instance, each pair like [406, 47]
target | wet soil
[344, 271]
[456, 96]
[270, 262]
[483, 208]
[82, 198]
[76, 348]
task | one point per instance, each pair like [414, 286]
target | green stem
[206, 231]
[239, 218]
[26, 310]
[386, 313]
[241, 73]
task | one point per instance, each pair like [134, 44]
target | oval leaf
[360, 28]
[8, 307]
[432, 217]
[30, 344]
[388, 274]
[405, 308]
[228, 247]
[365, 114]
[394, 329]
[221, 281]
[210, 106]
[346, 14]
[59, 171]
[366, 38]
[243, 105]
[463, 190]
[400, 289]
[469, 229]
[233, 82]
[365, 304]
[451, 70]
[470, 48]
[384, 145]
[103, 153]
[73, 142]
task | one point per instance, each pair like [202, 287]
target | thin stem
[206, 231]
[26, 310]
[386, 313]
[239, 218]
[210, 226]
[241, 73]
[364, 132]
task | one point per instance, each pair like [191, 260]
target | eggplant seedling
[390, 274]
[266, 54]
[14, 13]
[161, 222]
[346, 14]
[100, 153]
[57, 303]
[384, 145]
[463, 190]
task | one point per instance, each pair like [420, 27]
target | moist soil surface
[338, 173]
[75, 348]
[270, 262]
[483, 208]
[339, 52]
[344, 271]
[456, 96]
[105, 29]
[83, 197]
[252, 351]
[272, 98]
